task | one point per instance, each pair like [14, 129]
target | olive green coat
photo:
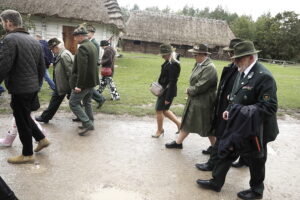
[63, 65]
[85, 73]
[259, 88]
[198, 111]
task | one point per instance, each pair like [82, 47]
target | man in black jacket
[22, 66]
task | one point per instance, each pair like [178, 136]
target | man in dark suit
[254, 85]
[225, 86]
[83, 79]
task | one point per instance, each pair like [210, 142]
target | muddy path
[120, 161]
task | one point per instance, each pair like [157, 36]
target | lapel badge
[266, 97]
[250, 75]
[247, 88]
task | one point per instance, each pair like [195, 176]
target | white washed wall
[50, 27]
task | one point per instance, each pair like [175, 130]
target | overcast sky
[255, 8]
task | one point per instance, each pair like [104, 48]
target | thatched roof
[100, 11]
[176, 29]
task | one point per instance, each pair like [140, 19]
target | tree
[153, 9]
[243, 27]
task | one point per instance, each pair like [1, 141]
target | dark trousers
[256, 166]
[53, 106]
[5, 191]
[99, 98]
[22, 105]
[213, 157]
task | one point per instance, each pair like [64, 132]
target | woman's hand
[167, 102]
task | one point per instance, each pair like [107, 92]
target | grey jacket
[22, 64]
[62, 71]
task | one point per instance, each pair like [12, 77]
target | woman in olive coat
[170, 71]
[198, 111]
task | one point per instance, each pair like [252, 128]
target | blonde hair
[173, 58]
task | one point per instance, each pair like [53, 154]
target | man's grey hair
[13, 16]
[61, 45]
[255, 56]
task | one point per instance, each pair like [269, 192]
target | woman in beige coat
[198, 111]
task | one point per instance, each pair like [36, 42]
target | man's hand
[77, 90]
[167, 102]
[225, 115]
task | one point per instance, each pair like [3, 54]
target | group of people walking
[238, 115]
[23, 65]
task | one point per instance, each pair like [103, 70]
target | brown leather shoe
[42, 144]
[21, 159]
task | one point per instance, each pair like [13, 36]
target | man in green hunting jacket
[99, 98]
[84, 78]
[255, 86]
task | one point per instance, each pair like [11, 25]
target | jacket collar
[248, 77]
[18, 30]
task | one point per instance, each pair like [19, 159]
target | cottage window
[137, 42]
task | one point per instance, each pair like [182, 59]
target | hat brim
[54, 45]
[165, 53]
[246, 54]
[75, 34]
[198, 52]
[227, 49]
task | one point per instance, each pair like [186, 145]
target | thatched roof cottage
[58, 18]
[145, 31]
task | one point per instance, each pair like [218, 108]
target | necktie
[237, 82]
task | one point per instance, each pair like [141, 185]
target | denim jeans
[1, 89]
[49, 80]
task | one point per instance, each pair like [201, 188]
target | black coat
[224, 89]
[244, 124]
[22, 62]
[168, 77]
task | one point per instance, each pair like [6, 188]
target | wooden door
[68, 38]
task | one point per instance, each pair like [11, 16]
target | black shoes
[204, 167]
[207, 151]
[208, 184]
[249, 195]
[173, 145]
[40, 119]
[76, 119]
[85, 130]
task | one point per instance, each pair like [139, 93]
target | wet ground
[120, 161]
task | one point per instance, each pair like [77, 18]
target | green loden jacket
[85, 73]
[198, 111]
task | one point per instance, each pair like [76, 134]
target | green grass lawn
[136, 71]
